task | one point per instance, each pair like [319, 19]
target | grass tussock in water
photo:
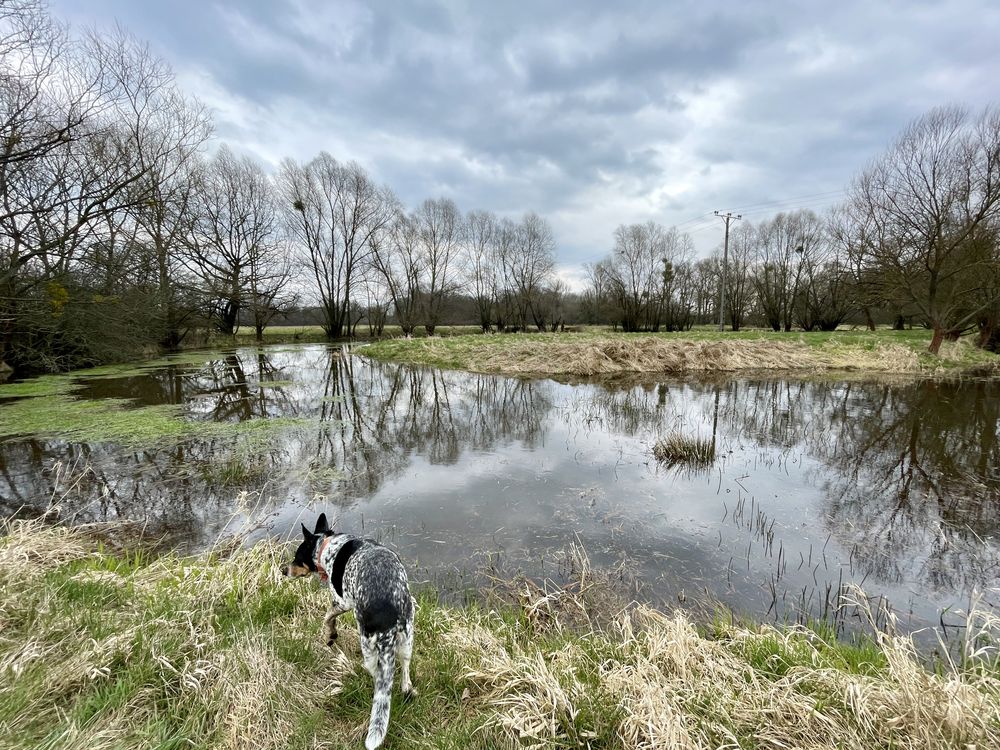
[119, 649]
[678, 449]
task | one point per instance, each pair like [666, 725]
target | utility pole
[726, 217]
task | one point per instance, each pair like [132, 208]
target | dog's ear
[306, 534]
[322, 526]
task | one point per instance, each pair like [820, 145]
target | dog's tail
[379, 721]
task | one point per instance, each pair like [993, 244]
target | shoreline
[111, 645]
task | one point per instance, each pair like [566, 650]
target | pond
[810, 485]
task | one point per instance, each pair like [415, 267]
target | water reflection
[913, 486]
[815, 483]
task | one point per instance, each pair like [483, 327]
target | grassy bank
[105, 647]
[594, 353]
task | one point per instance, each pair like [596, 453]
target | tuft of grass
[102, 649]
[676, 449]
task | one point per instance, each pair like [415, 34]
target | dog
[370, 580]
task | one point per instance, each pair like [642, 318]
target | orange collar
[323, 575]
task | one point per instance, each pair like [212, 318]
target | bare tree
[850, 235]
[439, 228]
[397, 258]
[504, 246]
[679, 294]
[706, 275]
[739, 286]
[167, 130]
[529, 263]
[335, 213]
[781, 243]
[378, 301]
[234, 247]
[482, 263]
[641, 271]
[931, 202]
[596, 300]
[826, 289]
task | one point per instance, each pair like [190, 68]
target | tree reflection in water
[913, 488]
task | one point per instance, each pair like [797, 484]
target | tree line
[916, 240]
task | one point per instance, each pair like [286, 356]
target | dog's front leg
[330, 621]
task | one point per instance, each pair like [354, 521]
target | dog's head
[304, 561]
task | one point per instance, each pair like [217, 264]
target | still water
[816, 484]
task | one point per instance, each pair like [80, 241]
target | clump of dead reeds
[679, 449]
[613, 354]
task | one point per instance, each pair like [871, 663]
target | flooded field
[809, 486]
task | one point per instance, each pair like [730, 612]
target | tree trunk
[229, 317]
[936, 339]
[868, 318]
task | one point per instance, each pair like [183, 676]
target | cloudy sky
[589, 113]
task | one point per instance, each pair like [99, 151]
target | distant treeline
[118, 234]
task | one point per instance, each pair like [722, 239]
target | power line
[700, 224]
[828, 193]
[817, 203]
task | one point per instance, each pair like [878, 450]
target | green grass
[598, 351]
[103, 649]
[47, 385]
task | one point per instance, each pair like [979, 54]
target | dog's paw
[409, 692]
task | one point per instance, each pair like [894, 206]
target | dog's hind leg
[330, 622]
[404, 650]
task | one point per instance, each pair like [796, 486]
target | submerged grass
[102, 649]
[595, 352]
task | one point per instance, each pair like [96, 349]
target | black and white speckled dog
[369, 580]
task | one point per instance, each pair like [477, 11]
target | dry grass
[609, 354]
[677, 449]
[123, 650]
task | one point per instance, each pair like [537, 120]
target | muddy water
[815, 484]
